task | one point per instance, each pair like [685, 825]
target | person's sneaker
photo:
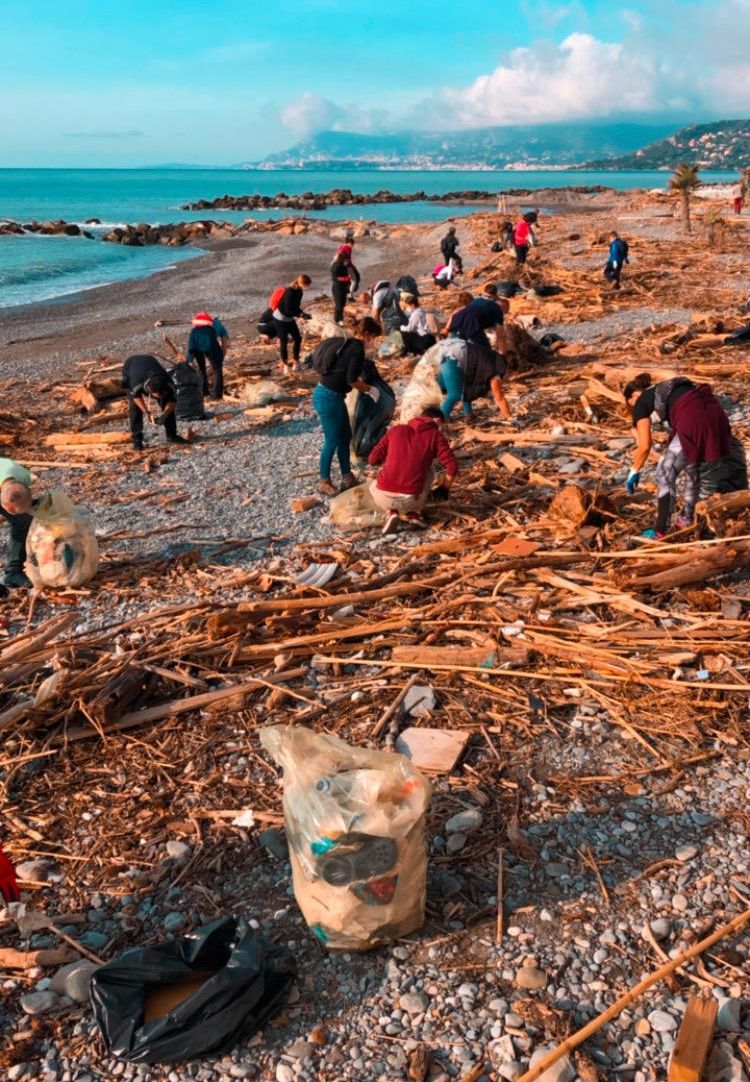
[391, 523]
[682, 522]
[652, 535]
[416, 519]
[349, 480]
[16, 580]
[177, 439]
[325, 488]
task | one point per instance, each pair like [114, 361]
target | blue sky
[136, 83]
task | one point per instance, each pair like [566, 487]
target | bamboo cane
[631, 995]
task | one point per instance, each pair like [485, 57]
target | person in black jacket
[207, 343]
[147, 382]
[345, 280]
[285, 317]
[449, 247]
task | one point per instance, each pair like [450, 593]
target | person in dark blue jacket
[618, 255]
[208, 342]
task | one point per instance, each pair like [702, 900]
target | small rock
[660, 928]
[275, 842]
[174, 921]
[464, 822]
[177, 850]
[419, 700]
[531, 978]
[562, 1071]
[414, 1002]
[679, 902]
[18, 1071]
[455, 843]
[37, 870]
[510, 1070]
[94, 940]
[662, 1022]
[38, 1002]
[642, 1027]
[729, 1016]
[284, 1073]
[300, 1049]
[686, 852]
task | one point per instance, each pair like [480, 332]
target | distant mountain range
[722, 144]
[543, 146]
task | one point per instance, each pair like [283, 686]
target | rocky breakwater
[337, 197]
[47, 229]
[174, 234]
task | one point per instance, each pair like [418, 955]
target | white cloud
[313, 113]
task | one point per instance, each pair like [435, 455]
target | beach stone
[284, 1073]
[642, 1027]
[662, 1021]
[502, 1050]
[660, 928]
[419, 700]
[275, 842]
[455, 843]
[74, 980]
[723, 1066]
[174, 921]
[300, 1049]
[510, 1070]
[686, 852]
[679, 902]
[531, 978]
[94, 940]
[465, 822]
[414, 1002]
[37, 870]
[177, 850]
[38, 1002]
[562, 1071]
[729, 1016]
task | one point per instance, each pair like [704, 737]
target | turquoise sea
[39, 268]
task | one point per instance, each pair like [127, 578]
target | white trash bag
[61, 547]
[262, 393]
[355, 821]
[355, 509]
[423, 389]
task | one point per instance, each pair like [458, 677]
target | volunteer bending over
[341, 364]
[700, 433]
[15, 508]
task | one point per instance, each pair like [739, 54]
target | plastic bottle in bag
[61, 547]
[355, 822]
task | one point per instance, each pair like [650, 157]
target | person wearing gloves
[406, 455]
[285, 316]
[345, 280]
[208, 341]
[700, 433]
[341, 364]
[148, 383]
[15, 508]
[618, 255]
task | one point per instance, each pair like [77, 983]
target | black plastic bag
[739, 337]
[729, 474]
[250, 981]
[371, 419]
[189, 390]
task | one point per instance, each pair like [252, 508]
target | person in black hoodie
[285, 317]
[449, 247]
[345, 280]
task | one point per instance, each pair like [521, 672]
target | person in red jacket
[406, 454]
[8, 883]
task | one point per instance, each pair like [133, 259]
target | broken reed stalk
[592, 1027]
[500, 922]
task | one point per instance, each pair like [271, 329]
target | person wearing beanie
[208, 341]
[15, 508]
[344, 279]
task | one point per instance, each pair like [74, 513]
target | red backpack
[275, 299]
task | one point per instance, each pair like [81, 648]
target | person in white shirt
[419, 333]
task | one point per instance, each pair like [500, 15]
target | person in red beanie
[345, 280]
[8, 881]
[208, 342]
[406, 454]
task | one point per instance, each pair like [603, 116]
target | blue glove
[632, 482]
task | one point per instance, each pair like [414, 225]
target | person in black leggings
[285, 317]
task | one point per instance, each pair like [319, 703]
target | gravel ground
[612, 327]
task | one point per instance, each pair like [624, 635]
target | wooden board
[436, 751]
[694, 1040]
[516, 546]
[445, 655]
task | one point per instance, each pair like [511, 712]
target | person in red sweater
[406, 454]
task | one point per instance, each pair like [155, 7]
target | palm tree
[684, 181]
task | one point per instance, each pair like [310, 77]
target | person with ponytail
[700, 433]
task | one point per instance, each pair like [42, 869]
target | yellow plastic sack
[61, 547]
[355, 822]
[355, 509]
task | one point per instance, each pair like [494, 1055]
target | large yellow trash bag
[61, 548]
[355, 822]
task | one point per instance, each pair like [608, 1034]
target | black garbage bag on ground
[508, 289]
[188, 384]
[371, 419]
[196, 995]
[408, 284]
[729, 474]
[739, 337]
[547, 291]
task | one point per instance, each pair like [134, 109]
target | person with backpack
[341, 364]
[208, 341]
[147, 382]
[523, 236]
[286, 308]
[345, 280]
[421, 327]
[618, 255]
[406, 454]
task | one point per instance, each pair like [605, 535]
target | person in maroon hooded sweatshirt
[406, 454]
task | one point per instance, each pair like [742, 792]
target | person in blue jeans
[341, 364]
[487, 377]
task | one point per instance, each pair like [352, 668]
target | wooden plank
[71, 439]
[446, 655]
[511, 462]
[436, 751]
[694, 1040]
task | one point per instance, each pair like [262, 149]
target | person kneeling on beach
[147, 381]
[341, 364]
[285, 315]
[15, 508]
[406, 454]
